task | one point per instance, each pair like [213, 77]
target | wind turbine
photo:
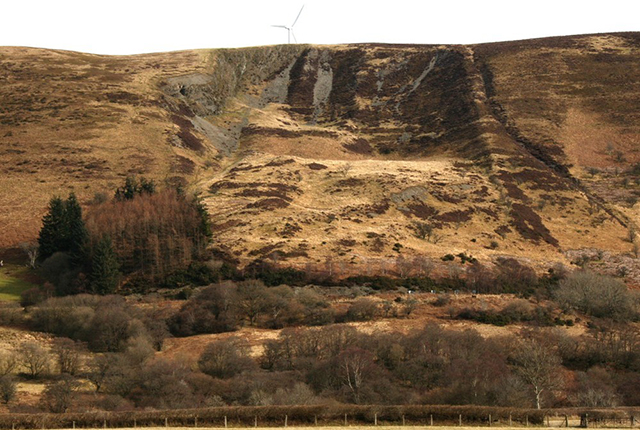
[290, 29]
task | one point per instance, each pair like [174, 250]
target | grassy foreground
[11, 282]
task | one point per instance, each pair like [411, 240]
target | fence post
[403, 419]
[633, 420]
[195, 421]
[460, 420]
[166, 422]
[375, 419]
[345, 420]
[225, 421]
[489, 420]
[255, 421]
[315, 420]
[526, 420]
[548, 425]
[431, 420]
[135, 423]
[286, 419]
[73, 424]
[104, 424]
[566, 420]
[510, 420]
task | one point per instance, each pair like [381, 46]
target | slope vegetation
[350, 158]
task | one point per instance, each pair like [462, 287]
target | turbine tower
[290, 28]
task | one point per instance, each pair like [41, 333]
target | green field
[12, 283]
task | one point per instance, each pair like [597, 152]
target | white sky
[139, 26]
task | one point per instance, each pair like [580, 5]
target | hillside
[326, 157]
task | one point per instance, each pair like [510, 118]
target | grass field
[12, 283]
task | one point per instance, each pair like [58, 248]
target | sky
[122, 27]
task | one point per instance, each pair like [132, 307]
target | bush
[362, 310]
[212, 310]
[11, 314]
[273, 277]
[225, 358]
[105, 322]
[8, 388]
[597, 295]
[378, 283]
[442, 300]
[36, 295]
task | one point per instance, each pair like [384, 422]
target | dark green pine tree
[205, 223]
[52, 233]
[147, 186]
[128, 191]
[105, 273]
[76, 233]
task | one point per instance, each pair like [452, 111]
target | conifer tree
[63, 230]
[128, 191]
[205, 223]
[105, 274]
[75, 231]
[51, 238]
[133, 188]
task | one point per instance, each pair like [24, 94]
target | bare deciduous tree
[8, 362]
[67, 353]
[537, 365]
[253, 299]
[355, 366]
[31, 249]
[59, 395]
[34, 358]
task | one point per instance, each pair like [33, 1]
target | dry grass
[81, 122]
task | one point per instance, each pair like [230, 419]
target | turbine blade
[294, 36]
[280, 26]
[294, 22]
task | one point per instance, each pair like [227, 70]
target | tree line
[322, 365]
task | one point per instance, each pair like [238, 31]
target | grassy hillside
[331, 157]
[13, 282]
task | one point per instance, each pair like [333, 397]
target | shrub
[378, 283]
[8, 388]
[105, 323]
[597, 295]
[225, 358]
[212, 310]
[442, 300]
[363, 309]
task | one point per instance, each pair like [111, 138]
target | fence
[338, 415]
